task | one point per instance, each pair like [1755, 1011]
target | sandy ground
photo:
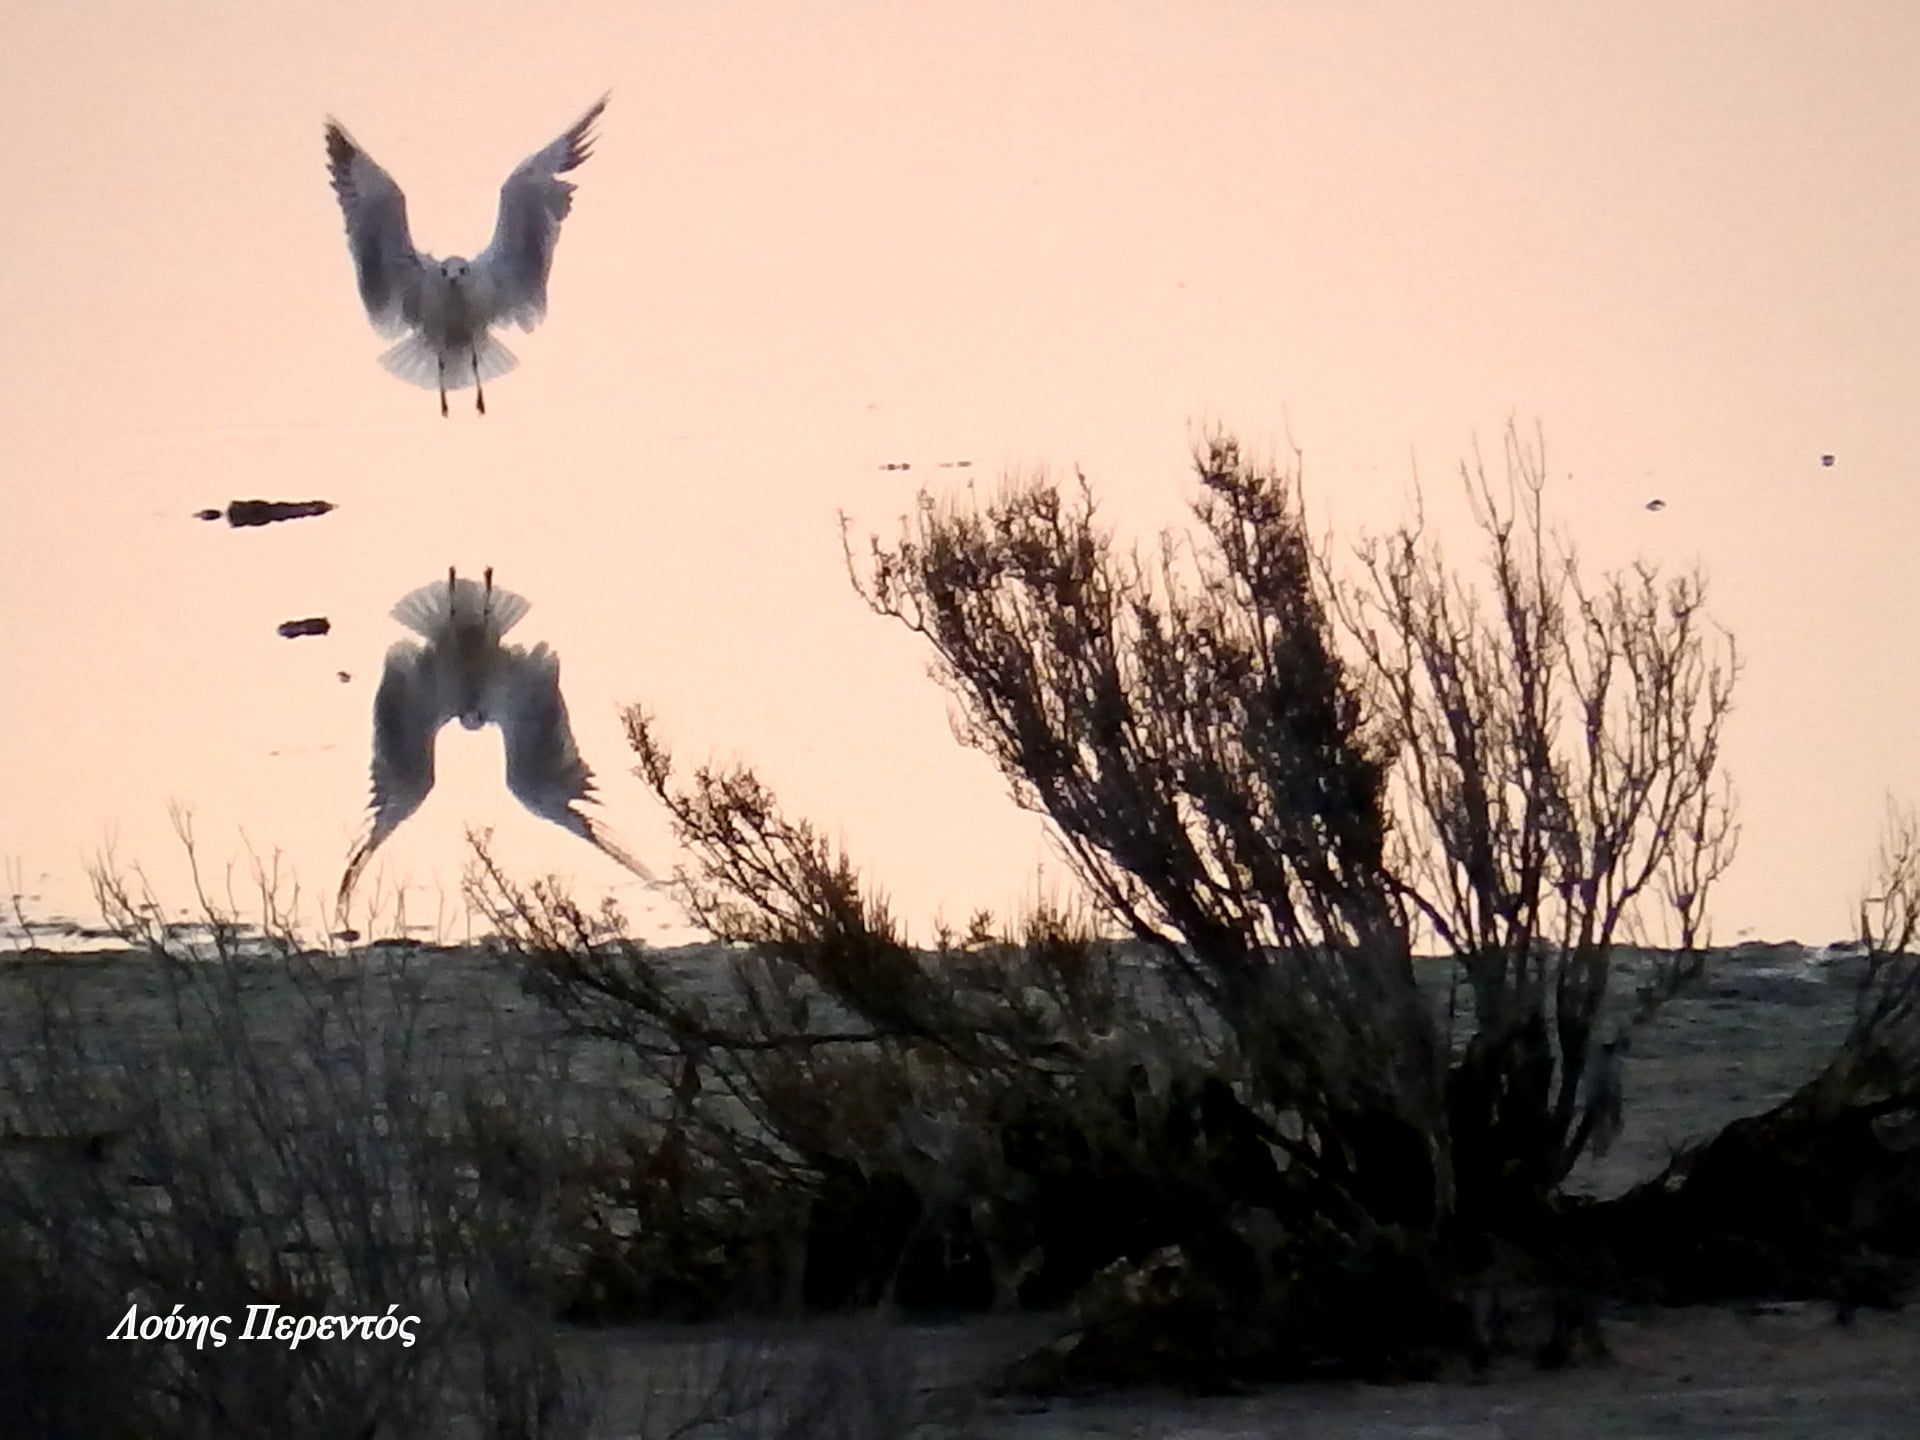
[1694, 1372]
[1774, 1371]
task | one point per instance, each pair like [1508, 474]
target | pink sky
[816, 239]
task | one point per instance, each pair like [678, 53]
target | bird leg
[441, 362]
[479, 391]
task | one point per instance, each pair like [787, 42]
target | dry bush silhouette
[1527, 769]
[225, 1118]
[835, 1117]
[1272, 779]
[1879, 1064]
[261, 1125]
[1558, 792]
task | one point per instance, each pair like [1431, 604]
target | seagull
[465, 672]
[445, 308]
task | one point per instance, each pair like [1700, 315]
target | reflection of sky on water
[810, 246]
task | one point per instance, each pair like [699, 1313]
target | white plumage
[466, 671]
[445, 309]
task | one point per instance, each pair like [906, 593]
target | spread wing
[533, 202]
[383, 255]
[406, 720]
[544, 768]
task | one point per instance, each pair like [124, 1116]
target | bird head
[453, 269]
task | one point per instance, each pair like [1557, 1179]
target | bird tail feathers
[432, 610]
[416, 361]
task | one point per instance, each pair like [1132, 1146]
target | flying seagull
[445, 308]
[465, 672]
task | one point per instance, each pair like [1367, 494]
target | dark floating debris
[956, 464]
[1826, 459]
[898, 465]
[1656, 504]
[315, 625]
[342, 676]
[265, 512]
